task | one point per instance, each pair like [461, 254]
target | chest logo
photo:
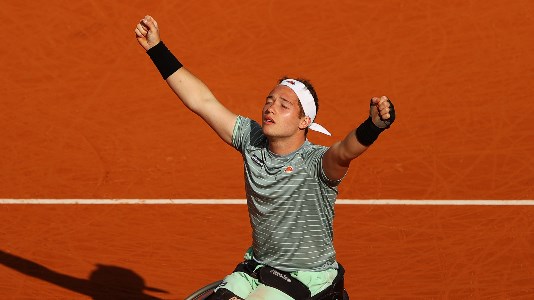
[289, 169]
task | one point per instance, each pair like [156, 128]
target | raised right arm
[195, 95]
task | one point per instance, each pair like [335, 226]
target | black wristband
[164, 60]
[368, 132]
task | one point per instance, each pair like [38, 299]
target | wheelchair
[335, 292]
[204, 292]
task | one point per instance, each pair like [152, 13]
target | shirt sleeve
[324, 178]
[246, 132]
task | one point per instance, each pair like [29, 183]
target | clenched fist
[382, 112]
[147, 32]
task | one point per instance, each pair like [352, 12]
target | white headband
[307, 102]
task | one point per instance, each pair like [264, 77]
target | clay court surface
[85, 115]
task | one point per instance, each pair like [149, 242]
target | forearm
[192, 91]
[337, 159]
[350, 148]
[357, 141]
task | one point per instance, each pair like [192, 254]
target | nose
[269, 108]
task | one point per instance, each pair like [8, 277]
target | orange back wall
[86, 115]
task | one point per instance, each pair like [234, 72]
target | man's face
[281, 115]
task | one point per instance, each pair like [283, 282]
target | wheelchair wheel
[204, 292]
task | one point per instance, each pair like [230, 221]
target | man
[291, 184]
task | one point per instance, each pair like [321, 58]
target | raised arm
[337, 159]
[195, 95]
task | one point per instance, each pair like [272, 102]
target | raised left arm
[337, 159]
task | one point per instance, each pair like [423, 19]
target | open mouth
[268, 120]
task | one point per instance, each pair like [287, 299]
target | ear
[304, 122]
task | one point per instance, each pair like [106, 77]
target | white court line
[243, 201]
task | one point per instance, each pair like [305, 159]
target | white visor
[307, 102]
